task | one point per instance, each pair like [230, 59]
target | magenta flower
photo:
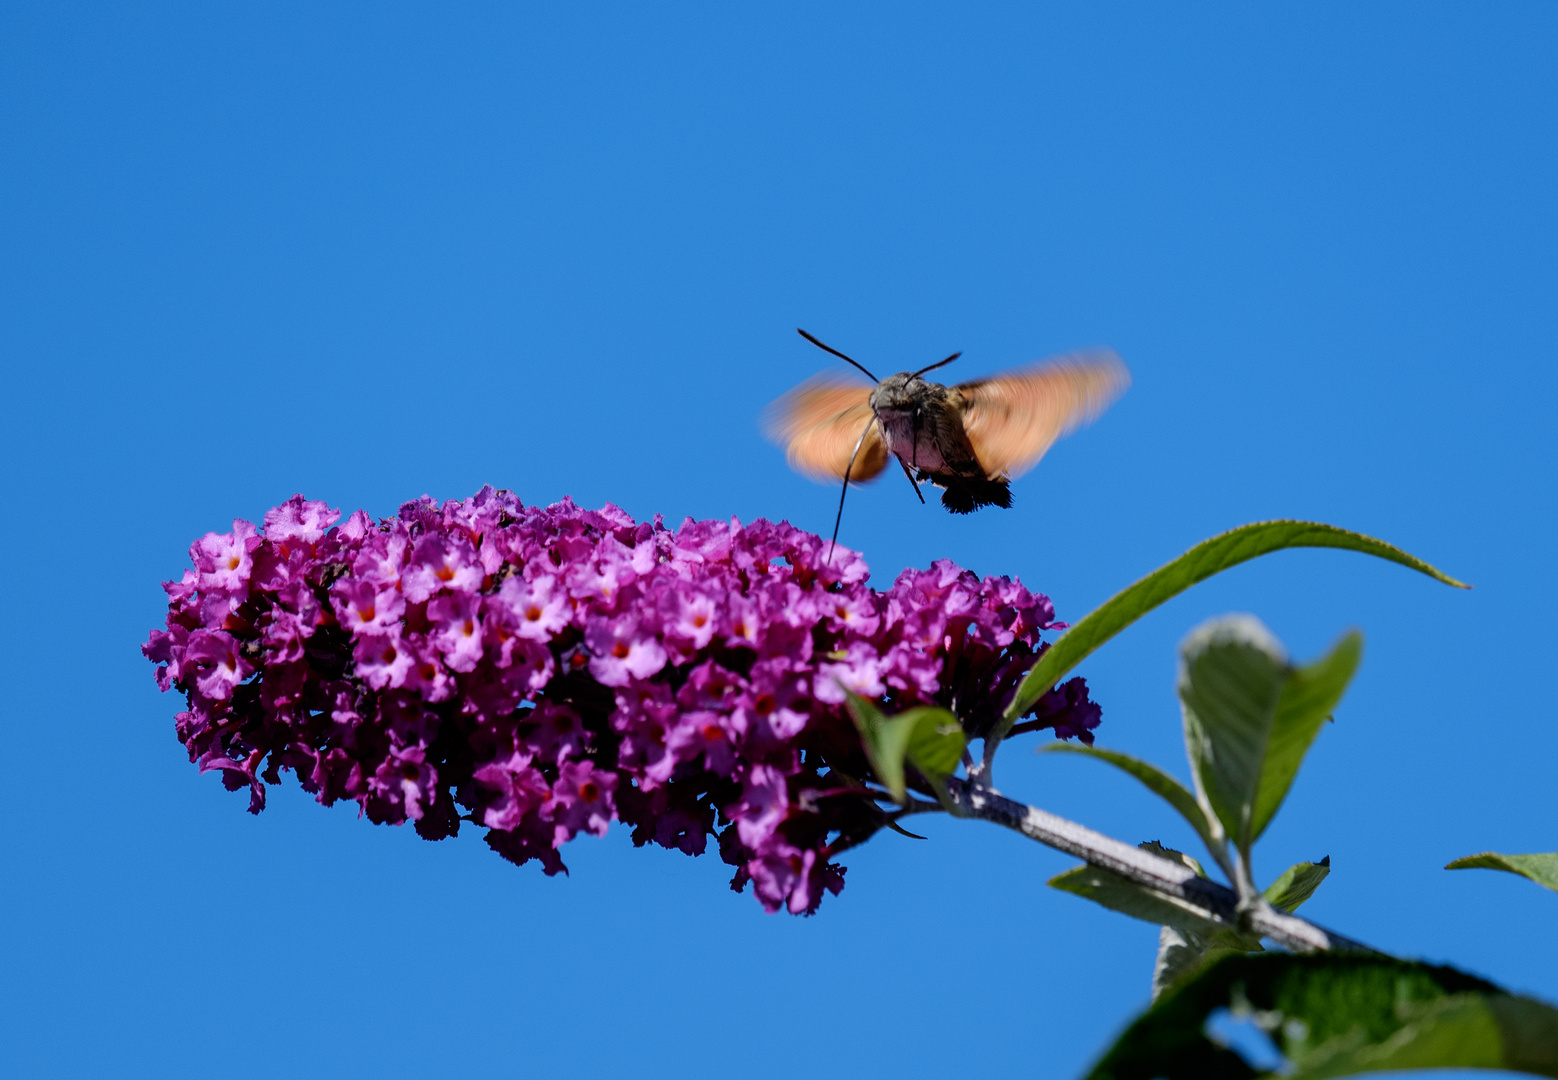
[580, 801]
[457, 632]
[212, 658]
[367, 607]
[538, 609]
[223, 561]
[299, 519]
[620, 651]
[384, 661]
[541, 673]
[440, 562]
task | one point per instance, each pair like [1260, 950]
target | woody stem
[1215, 902]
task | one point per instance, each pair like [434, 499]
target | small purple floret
[541, 673]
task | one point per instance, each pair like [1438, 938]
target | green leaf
[936, 741]
[928, 738]
[1308, 698]
[885, 747]
[1541, 868]
[1158, 782]
[1232, 672]
[1199, 563]
[1467, 1031]
[1336, 1014]
[1182, 954]
[1152, 847]
[1250, 717]
[1127, 897]
[1297, 884]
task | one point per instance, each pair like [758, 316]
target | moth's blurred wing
[818, 424]
[1012, 419]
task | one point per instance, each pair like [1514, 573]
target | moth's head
[902, 391]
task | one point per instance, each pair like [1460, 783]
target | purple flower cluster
[542, 672]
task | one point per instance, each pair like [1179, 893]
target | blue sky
[369, 252]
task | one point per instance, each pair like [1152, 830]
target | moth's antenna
[933, 367]
[847, 470]
[835, 352]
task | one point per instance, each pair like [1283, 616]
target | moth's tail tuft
[964, 495]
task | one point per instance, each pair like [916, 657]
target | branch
[1174, 880]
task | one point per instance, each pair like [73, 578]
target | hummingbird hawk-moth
[970, 439]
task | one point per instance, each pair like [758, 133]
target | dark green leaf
[929, 738]
[1231, 676]
[1337, 1015]
[1152, 847]
[1297, 884]
[1125, 896]
[1308, 699]
[1158, 782]
[1541, 868]
[1199, 563]
[1467, 1031]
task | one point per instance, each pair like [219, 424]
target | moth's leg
[912, 482]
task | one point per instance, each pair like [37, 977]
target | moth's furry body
[921, 424]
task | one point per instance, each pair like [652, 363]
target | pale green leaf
[936, 741]
[1182, 954]
[1308, 699]
[928, 738]
[884, 749]
[1297, 883]
[1541, 867]
[1232, 673]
